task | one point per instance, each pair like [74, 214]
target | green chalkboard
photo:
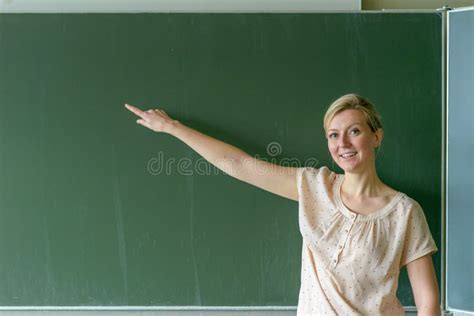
[97, 211]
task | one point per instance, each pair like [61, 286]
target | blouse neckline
[363, 217]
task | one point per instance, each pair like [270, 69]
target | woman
[357, 231]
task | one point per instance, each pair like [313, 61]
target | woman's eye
[355, 131]
[332, 135]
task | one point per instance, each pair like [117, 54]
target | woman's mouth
[348, 155]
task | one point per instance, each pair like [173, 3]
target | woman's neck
[363, 185]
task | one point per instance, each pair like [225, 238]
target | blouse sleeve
[305, 179]
[418, 239]
[299, 176]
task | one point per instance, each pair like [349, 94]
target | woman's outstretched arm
[235, 162]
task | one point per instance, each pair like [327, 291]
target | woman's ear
[378, 137]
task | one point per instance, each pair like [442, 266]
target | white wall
[176, 5]
[414, 4]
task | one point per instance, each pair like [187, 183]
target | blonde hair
[356, 102]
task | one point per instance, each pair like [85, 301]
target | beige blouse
[351, 262]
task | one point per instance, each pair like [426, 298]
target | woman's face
[351, 142]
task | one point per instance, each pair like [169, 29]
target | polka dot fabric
[350, 261]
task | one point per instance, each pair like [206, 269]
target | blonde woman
[357, 231]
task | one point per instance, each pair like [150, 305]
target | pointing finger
[135, 110]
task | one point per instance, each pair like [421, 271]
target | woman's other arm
[424, 285]
[276, 179]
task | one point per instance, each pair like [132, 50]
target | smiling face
[351, 142]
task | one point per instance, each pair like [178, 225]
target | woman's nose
[344, 141]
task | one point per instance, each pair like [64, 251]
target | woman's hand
[156, 120]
